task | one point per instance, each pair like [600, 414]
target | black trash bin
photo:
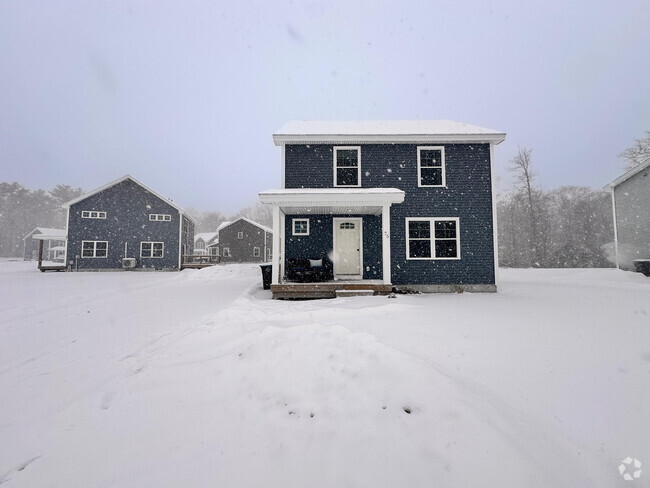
[267, 273]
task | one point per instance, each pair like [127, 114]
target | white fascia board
[282, 139]
[332, 197]
[629, 174]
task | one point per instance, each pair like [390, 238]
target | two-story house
[392, 204]
[243, 241]
[125, 225]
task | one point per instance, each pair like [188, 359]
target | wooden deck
[328, 289]
[198, 261]
[51, 268]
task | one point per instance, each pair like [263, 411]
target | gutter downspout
[615, 227]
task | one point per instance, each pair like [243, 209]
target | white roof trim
[120, 180]
[47, 233]
[400, 131]
[336, 197]
[629, 174]
[263, 227]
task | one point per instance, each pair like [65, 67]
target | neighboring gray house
[126, 225]
[404, 204]
[203, 240]
[243, 241]
[53, 244]
[631, 206]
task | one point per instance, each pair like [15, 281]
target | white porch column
[276, 246]
[282, 244]
[385, 243]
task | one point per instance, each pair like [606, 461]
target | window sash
[431, 166]
[160, 217]
[93, 214]
[300, 227]
[442, 243]
[152, 249]
[347, 166]
[256, 252]
[94, 249]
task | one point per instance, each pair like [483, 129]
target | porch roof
[332, 200]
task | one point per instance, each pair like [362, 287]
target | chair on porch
[305, 270]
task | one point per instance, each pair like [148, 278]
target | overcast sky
[185, 95]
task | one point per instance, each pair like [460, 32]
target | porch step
[354, 293]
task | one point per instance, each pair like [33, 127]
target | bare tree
[638, 153]
[521, 166]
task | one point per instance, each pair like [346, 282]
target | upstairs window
[94, 249]
[160, 217]
[347, 166]
[256, 252]
[300, 227]
[431, 166]
[240, 235]
[152, 249]
[92, 214]
[432, 238]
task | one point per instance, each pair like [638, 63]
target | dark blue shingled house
[386, 204]
[125, 225]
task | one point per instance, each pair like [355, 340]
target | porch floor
[327, 289]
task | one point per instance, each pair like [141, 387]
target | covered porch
[344, 231]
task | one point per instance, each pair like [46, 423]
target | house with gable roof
[243, 241]
[126, 225]
[630, 205]
[406, 205]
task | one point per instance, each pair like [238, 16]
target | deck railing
[200, 260]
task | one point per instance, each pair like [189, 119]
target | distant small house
[631, 206]
[125, 224]
[203, 240]
[243, 241]
[53, 244]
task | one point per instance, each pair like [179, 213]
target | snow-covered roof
[629, 174]
[263, 227]
[46, 234]
[206, 236]
[120, 180]
[305, 131]
[223, 224]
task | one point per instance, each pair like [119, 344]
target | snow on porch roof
[332, 200]
[304, 131]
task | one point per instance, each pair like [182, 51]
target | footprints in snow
[8, 475]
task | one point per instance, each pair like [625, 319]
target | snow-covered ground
[197, 379]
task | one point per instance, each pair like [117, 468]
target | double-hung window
[256, 252]
[226, 252]
[94, 249]
[347, 166]
[152, 249]
[300, 227]
[432, 238]
[431, 166]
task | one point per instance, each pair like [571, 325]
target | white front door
[347, 247]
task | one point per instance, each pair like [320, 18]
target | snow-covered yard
[198, 379]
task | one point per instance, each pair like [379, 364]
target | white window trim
[226, 252]
[358, 149]
[160, 217]
[94, 256]
[293, 227]
[152, 256]
[432, 238]
[442, 157]
[87, 214]
[257, 253]
[240, 235]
